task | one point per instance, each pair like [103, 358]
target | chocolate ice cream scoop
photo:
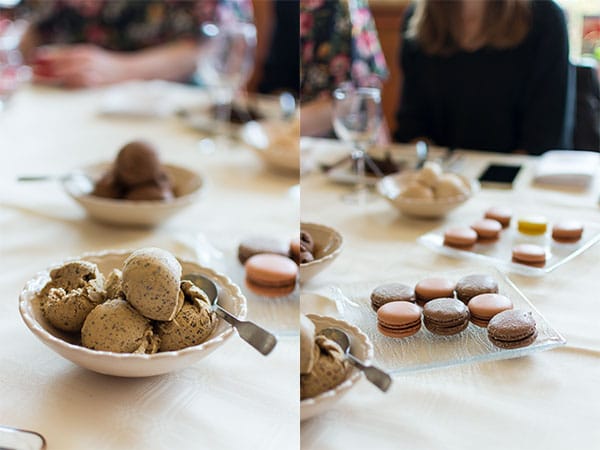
[329, 369]
[107, 186]
[150, 191]
[192, 325]
[114, 326]
[137, 163]
[67, 310]
[151, 283]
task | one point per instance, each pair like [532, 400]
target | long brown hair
[436, 24]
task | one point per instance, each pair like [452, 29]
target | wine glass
[356, 119]
[225, 62]
[12, 71]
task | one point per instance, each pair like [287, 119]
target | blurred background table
[547, 400]
[236, 398]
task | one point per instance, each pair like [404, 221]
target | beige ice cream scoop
[192, 325]
[67, 310]
[114, 326]
[151, 279]
[307, 344]
[330, 369]
[74, 275]
[114, 285]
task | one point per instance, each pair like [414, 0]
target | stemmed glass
[224, 64]
[357, 119]
[12, 71]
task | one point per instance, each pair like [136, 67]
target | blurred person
[338, 43]
[486, 75]
[83, 43]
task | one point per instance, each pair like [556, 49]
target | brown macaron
[445, 316]
[485, 306]
[391, 292]
[434, 287]
[472, 285]
[567, 231]
[530, 254]
[512, 329]
[271, 275]
[487, 229]
[399, 319]
[460, 237]
[307, 243]
[501, 214]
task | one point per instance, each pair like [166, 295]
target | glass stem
[358, 155]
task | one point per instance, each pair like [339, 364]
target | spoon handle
[257, 337]
[37, 177]
[375, 375]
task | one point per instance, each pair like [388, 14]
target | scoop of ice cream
[150, 191]
[151, 279]
[74, 275]
[107, 186]
[67, 310]
[114, 326]
[114, 285]
[307, 344]
[137, 163]
[330, 369]
[449, 185]
[417, 191]
[192, 325]
[429, 174]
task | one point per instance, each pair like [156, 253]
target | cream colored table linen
[549, 400]
[235, 398]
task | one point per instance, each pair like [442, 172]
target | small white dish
[361, 347]
[276, 143]
[328, 245]
[127, 364]
[391, 186]
[187, 187]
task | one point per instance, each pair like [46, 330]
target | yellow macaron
[533, 225]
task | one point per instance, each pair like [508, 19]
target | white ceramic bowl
[276, 143]
[187, 186]
[361, 347]
[328, 245]
[127, 364]
[391, 186]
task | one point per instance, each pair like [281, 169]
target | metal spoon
[422, 150]
[376, 376]
[287, 104]
[257, 337]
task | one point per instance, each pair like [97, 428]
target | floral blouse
[338, 43]
[126, 25]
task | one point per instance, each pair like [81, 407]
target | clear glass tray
[425, 350]
[499, 252]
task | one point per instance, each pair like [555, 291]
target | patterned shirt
[338, 43]
[125, 25]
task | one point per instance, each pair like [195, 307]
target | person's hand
[78, 66]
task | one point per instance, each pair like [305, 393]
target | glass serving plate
[425, 350]
[499, 253]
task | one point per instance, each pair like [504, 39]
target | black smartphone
[499, 175]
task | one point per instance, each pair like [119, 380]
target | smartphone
[499, 175]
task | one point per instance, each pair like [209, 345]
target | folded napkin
[567, 168]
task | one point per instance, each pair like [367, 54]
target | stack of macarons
[270, 264]
[446, 307]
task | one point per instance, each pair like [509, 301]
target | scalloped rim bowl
[328, 242]
[187, 184]
[277, 157]
[128, 364]
[362, 348]
[390, 187]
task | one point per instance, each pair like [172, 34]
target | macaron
[567, 231]
[531, 254]
[391, 292]
[472, 285]
[307, 243]
[487, 229]
[434, 287]
[255, 245]
[445, 316]
[271, 275]
[485, 306]
[399, 319]
[294, 252]
[460, 237]
[512, 329]
[499, 213]
[533, 225]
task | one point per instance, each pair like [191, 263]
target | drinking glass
[224, 64]
[12, 71]
[357, 119]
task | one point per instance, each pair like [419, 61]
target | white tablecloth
[235, 398]
[548, 400]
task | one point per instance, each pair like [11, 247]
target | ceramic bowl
[361, 347]
[127, 364]
[187, 187]
[276, 143]
[391, 186]
[328, 245]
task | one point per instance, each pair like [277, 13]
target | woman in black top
[486, 75]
